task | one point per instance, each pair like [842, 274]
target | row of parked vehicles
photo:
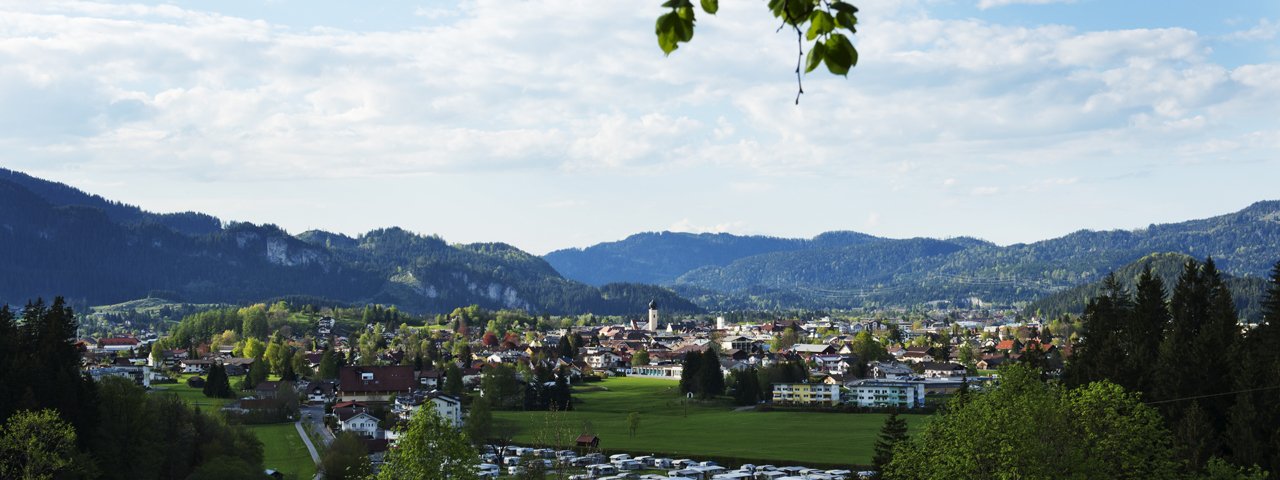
[620, 466]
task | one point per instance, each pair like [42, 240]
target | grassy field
[284, 451]
[671, 428]
[193, 396]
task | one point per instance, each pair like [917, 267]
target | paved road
[315, 417]
[315, 456]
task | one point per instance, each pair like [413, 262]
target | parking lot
[645, 467]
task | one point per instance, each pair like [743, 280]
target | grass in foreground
[284, 451]
[671, 428]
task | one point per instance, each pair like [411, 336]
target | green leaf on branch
[814, 57]
[666, 29]
[844, 7]
[840, 55]
[684, 23]
[847, 21]
[711, 6]
[820, 23]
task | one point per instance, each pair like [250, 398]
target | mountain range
[58, 240]
[849, 269]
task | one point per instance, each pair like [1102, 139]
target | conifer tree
[710, 378]
[1145, 328]
[1099, 353]
[565, 348]
[453, 380]
[893, 432]
[690, 371]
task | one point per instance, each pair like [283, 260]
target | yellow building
[806, 393]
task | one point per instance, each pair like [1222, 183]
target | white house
[449, 408]
[361, 424]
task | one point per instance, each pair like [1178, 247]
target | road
[314, 416]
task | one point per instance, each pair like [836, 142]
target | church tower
[653, 315]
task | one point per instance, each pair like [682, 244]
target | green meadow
[671, 427]
[283, 450]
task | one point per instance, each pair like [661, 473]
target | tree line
[57, 421]
[1162, 383]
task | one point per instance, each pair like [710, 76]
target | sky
[549, 124]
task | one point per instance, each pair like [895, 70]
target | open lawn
[669, 427]
[284, 451]
[193, 396]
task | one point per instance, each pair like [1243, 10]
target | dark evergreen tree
[563, 394]
[1146, 326]
[1251, 434]
[710, 377]
[9, 349]
[892, 433]
[746, 387]
[690, 372]
[565, 349]
[47, 361]
[453, 380]
[217, 384]
[1099, 354]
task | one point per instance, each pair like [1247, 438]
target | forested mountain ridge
[874, 271]
[96, 251]
[191, 223]
[1246, 291]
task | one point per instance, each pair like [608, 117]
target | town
[368, 379]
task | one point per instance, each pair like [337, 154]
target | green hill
[55, 240]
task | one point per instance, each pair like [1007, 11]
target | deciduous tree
[430, 448]
[36, 445]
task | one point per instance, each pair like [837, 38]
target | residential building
[669, 372]
[374, 383]
[944, 370]
[360, 423]
[886, 393]
[890, 370]
[117, 344]
[806, 393]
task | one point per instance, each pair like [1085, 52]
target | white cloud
[985, 4]
[686, 225]
[1266, 29]
[578, 89]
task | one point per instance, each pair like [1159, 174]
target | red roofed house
[1008, 346]
[374, 384]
